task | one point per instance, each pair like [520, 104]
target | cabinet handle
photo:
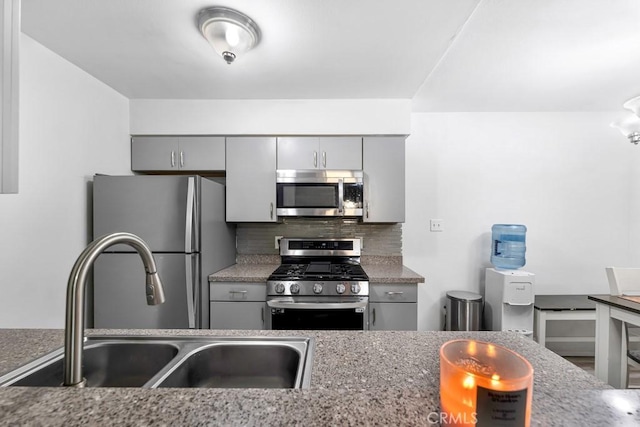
[315, 159]
[262, 315]
[367, 209]
[271, 211]
[324, 159]
[394, 293]
[237, 295]
[173, 159]
[181, 159]
[373, 314]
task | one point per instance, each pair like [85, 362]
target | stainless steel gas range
[319, 285]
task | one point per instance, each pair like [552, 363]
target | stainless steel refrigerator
[182, 219]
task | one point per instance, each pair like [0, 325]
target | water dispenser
[509, 298]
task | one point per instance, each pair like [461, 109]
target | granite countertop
[390, 273]
[388, 378]
[244, 273]
[378, 273]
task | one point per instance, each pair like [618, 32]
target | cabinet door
[154, 153]
[392, 316]
[298, 153]
[237, 291]
[393, 292]
[251, 179]
[201, 153]
[344, 153]
[237, 315]
[383, 166]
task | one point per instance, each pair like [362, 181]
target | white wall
[634, 215]
[566, 176]
[271, 117]
[71, 126]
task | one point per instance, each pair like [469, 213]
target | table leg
[541, 326]
[608, 360]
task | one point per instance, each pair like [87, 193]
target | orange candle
[484, 384]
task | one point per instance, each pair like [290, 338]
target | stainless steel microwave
[319, 193]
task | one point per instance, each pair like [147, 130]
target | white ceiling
[446, 55]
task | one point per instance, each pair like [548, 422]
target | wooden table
[611, 347]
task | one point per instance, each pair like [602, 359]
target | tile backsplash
[378, 239]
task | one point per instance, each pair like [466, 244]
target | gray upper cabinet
[312, 152]
[177, 153]
[251, 179]
[344, 152]
[383, 166]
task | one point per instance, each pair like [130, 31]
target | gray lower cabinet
[237, 305]
[384, 181]
[251, 179]
[393, 307]
[177, 153]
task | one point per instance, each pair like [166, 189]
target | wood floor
[588, 364]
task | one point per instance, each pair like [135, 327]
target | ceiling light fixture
[629, 126]
[230, 32]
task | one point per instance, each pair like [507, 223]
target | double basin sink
[183, 361]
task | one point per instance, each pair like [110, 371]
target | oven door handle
[316, 305]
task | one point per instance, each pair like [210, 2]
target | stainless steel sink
[184, 361]
[241, 365]
[106, 364]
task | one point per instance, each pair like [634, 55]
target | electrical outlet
[276, 242]
[436, 225]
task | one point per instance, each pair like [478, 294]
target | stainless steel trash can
[464, 311]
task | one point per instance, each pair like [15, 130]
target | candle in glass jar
[484, 384]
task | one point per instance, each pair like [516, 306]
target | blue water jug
[508, 246]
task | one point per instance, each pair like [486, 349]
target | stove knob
[279, 288]
[317, 288]
[355, 288]
[295, 288]
[340, 288]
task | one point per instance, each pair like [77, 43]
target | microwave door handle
[340, 195]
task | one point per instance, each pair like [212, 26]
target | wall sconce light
[629, 126]
[230, 32]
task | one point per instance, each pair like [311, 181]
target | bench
[561, 307]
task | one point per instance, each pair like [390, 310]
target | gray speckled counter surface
[358, 378]
[257, 273]
[389, 273]
[378, 273]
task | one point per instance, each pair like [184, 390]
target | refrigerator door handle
[188, 233]
[188, 260]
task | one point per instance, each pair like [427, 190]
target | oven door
[320, 313]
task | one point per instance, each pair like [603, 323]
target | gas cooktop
[319, 267]
[319, 270]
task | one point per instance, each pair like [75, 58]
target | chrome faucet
[74, 321]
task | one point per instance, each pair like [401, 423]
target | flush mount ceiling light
[630, 125]
[230, 32]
